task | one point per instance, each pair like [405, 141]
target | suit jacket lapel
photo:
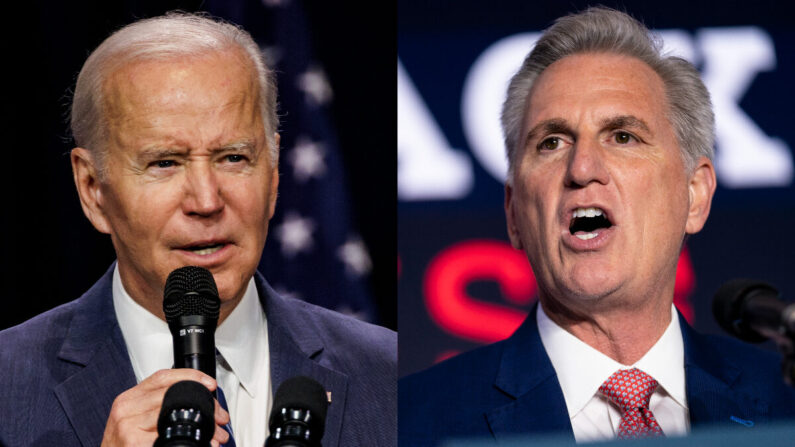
[296, 349]
[526, 375]
[95, 342]
[711, 395]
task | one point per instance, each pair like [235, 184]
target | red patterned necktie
[631, 390]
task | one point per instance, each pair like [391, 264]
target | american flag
[313, 252]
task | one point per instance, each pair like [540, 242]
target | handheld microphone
[191, 305]
[753, 311]
[299, 414]
[186, 417]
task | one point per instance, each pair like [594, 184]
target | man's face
[597, 145]
[189, 177]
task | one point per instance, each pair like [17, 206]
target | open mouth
[587, 222]
[204, 250]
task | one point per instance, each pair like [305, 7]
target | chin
[591, 285]
[231, 278]
[230, 285]
[227, 293]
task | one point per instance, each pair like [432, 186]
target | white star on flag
[354, 254]
[307, 159]
[313, 82]
[295, 234]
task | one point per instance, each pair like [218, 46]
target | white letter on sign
[428, 168]
[746, 156]
[483, 95]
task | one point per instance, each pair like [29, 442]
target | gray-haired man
[610, 152]
[177, 160]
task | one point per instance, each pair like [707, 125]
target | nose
[202, 192]
[586, 164]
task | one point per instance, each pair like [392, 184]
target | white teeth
[586, 236]
[207, 251]
[587, 212]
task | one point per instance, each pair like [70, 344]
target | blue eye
[165, 163]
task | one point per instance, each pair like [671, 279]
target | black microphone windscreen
[727, 307]
[188, 395]
[302, 392]
[190, 291]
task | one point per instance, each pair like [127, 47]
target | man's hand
[133, 417]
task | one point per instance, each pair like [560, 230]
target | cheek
[535, 207]
[122, 206]
[663, 205]
[251, 200]
[145, 211]
[543, 191]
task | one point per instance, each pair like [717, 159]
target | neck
[624, 334]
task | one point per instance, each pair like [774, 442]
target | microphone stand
[784, 337]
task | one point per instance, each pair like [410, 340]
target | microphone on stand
[186, 417]
[191, 305]
[298, 417]
[753, 311]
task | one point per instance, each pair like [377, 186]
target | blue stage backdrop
[460, 284]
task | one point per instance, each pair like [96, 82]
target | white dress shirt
[581, 370]
[242, 340]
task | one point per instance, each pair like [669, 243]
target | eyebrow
[554, 125]
[559, 125]
[242, 146]
[157, 152]
[625, 122]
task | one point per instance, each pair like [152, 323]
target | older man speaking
[610, 150]
[176, 126]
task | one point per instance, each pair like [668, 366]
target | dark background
[748, 232]
[51, 252]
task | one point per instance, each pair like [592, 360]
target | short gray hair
[604, 30]
[173, 35]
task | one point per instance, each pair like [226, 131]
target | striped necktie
[222, 401]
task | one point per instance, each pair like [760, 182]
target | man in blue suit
[610, 148]
[175, 122]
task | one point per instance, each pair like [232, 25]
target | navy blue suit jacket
[61, 371]
[509, 388]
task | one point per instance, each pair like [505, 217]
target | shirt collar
[147, 337]
[665, 361]
[242, 336]
[149, 342]
[581, 369]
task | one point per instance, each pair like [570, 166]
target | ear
[277, 139]
[274, 179]
[273, 191]
[510, 218]
[701, 189]
[89, 188]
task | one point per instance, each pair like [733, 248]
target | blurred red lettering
[464, 316]
[473, 319]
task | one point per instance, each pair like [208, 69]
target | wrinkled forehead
[600, 83]
[197, 81]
